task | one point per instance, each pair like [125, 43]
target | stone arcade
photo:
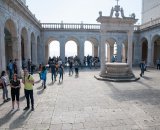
[23, 36]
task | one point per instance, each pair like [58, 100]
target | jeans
[53, 74]
[29, 94]
[5, 92]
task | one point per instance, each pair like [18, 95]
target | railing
[70, 26]
[150, 23]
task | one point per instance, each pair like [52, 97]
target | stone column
[2, 49]
[149, 55]
[34, 53]
[62, 50]
[95, 51]
[28, 48]
[19, 56]
[108, 53]
[130, 42]
[123, 54]
[46, 53]
[103, 56]
[119, 52]
[81, 51]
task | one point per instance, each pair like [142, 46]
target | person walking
[4, 87]
[142, 67]
[15, 90]
[70, 67]
[44, 76]
[28, 82]
[61, 71]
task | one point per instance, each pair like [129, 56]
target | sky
[77, 11]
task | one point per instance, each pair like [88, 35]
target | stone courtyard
[85, 103]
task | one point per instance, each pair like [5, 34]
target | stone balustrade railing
[70, 26]
[150, 23]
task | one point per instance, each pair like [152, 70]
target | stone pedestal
[117, 72]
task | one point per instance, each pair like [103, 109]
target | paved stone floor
[85, 103]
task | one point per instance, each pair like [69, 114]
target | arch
[54, 49]
[24, 41]
[74, 49]
[88, 48]
[71, 50]
[95, 46]
[11, 40]
[144, 48]
[47, 43]
[110, 50]
[124, 51]
[33, 47]
[156, 48]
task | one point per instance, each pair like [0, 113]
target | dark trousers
[53, 74]
[29, 96]
[15, 94]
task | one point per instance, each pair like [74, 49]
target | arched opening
[125, 51]
[156, 51]
[88, 48]
[54, 49]
[111, 50]
[71, 49]
[24, 40]
[39, 51]
[10, 41]
[107, 48]
[33, 48]
[144, 50]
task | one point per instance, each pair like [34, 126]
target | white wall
[150, 10]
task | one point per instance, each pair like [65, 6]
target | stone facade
[150, 10]
[23, 36]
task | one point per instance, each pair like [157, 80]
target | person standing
[4, 87]
[15, 90]
[53, 71]
[28, 82]
[10, 68]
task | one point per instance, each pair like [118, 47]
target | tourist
[44, 76]
[10, 68]
[158, 64]
[53, 71]
[70, 67]
[76, 66]
[28, 82]
[4, 87]
[15, 90]
[15, 69]
[142, 67]
[61, 71]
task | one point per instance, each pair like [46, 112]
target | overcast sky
[75, 11]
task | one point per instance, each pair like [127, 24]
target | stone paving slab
[85, 103]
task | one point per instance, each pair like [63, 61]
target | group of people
[15, 86]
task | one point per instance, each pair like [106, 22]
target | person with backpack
[4, 87]
[15, 90]
[28, 82]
